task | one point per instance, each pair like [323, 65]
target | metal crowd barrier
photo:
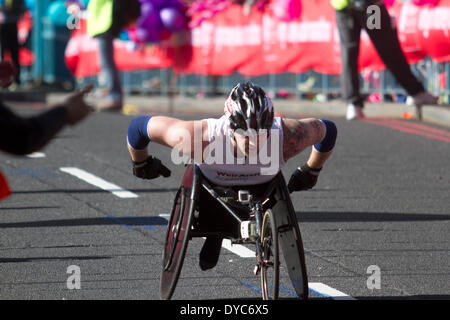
[309, 85]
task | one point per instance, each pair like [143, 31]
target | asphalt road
[382, 200]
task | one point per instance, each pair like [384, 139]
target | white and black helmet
[248, 107]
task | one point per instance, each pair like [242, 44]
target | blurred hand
[76, 107]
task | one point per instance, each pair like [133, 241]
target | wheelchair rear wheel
[270, 266]
[177, 238]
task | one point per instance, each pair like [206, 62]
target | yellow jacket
[100, 16]
[340, 4]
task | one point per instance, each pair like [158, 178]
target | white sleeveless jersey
[221, 167]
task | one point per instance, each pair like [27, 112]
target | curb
[439, 115]
[135, 105]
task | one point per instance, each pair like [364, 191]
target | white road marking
[165, 216]
[237, 249]
[36, 155]
[327, 291]
[318, 288]
[99, 182]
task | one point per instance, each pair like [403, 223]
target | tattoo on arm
[300, 134]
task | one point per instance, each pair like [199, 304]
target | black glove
[303, 178]
[151, 168]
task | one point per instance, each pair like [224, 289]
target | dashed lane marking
[36, 155]
[237, 249]
[323, 290]
[316, 289]
[99, 182]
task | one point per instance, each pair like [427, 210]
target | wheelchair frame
[183, 226]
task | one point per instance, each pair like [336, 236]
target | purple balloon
[147, 9]
[159, 3]
[155, 3]
[149, 25]
[173, 19]
[145, 35]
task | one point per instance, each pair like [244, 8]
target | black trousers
[23, 135]
[350, 22]
[10, 42]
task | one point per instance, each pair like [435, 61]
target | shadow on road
[367, 217]
[418, 297]
[127, 221]
[31, 259]
[161, 190]
[29, 208]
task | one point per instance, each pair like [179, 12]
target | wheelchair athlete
[248, 127]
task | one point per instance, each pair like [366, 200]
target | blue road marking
[288, 291]
[316, 294]
[118, 221]
[148, 223]
[32, 173]
[250, 286]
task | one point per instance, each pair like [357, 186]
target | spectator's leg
[4, 40]
[13, 38]
[349, 33]
[2, 43]
[110, 72]
[388, 46]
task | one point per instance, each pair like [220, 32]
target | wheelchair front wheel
[270, 265]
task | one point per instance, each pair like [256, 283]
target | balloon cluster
[57, 12]
[29, 4]
[81, 3]
[425, 2]
[287, 10]
[201, 10]
[389, 3]
[158, 18]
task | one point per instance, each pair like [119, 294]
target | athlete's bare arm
[173, 133]
[301, 134]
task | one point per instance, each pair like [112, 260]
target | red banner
[261, 44]
[83, 60]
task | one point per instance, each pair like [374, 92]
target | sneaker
[423, 98]
[209, 255]
[354, 112]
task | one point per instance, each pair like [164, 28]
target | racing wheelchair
[262, 215]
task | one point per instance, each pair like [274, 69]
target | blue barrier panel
[54, 42]
[39, 11]
[300, 85]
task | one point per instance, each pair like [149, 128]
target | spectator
[351, 18]
[10, 13]
[21, 136]
[106, 18]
